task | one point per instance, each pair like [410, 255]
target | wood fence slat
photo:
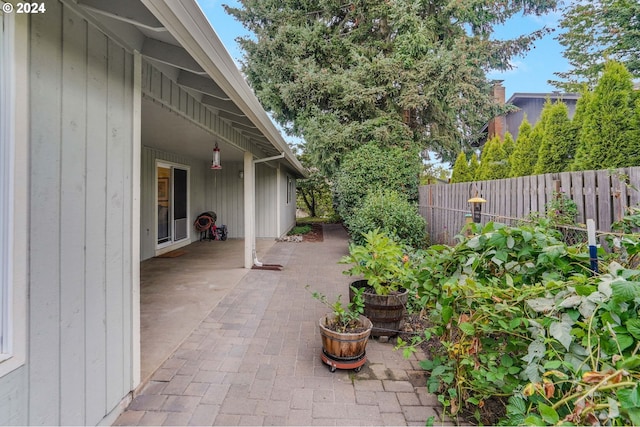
[600, 195]
[604, 200]
[542, 197]
[533, 193]
[577, 195]
[634, 186]
[618, 194]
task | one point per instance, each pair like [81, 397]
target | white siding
[79, 365]
[197, 198]
[224, 194]
[288, 206]
[165, 91]
[266, 201]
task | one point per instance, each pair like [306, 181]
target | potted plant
[386, 276]
[345, 332]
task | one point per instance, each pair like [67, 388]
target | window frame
[14, 179]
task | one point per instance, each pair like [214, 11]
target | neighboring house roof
[528, 103]
[518, 97]
[177, 35]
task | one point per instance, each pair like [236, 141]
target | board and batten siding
[224, 195]
[197, 200]
[163, 89]
[287, 189]
[266, 201]
[79, 364]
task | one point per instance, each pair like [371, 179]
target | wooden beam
[241, 120]
[132, 12]
[169, 54]
[219, 104]
[201, 84]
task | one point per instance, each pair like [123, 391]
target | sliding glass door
[172, 190]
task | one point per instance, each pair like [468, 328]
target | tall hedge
[494, 163]
[558, 143]
[461, 172]
[371, 167]
[610, 132]
[525, 155]
[474, 165]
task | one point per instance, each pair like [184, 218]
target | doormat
[172, 254]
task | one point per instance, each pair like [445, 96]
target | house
[110, 111]
[530, 104]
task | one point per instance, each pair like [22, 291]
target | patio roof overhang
[177, 35]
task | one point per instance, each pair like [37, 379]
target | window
[289, 189]
[172, 190]
[13, 190]
[6, 184]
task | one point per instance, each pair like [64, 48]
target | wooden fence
[601, 195]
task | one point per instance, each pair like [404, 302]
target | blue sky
[530, 73]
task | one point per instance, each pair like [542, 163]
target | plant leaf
[562, 331]
[467, 328]
[633, 326]
[541, 305]
[548, 414]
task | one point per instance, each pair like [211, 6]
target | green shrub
[369, 168]
[392, 213]
[300, 229]
[522, 318]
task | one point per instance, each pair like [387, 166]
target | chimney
[497, 125]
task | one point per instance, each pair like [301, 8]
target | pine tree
[524, 156]
[461, 171]
[595, 30]
[397, 73]
[609, 135]
[557, 147]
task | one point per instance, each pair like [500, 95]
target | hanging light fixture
[215, 163]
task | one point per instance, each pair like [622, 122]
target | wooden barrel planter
[386, 312]
[344, 346]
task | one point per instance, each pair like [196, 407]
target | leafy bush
[369, 168]
[390, 212]
[381, 261]
[300, 229]
[521, 318]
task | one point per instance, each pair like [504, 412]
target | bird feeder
[476, 207]
[215, 163]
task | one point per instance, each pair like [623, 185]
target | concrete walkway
[255, 359]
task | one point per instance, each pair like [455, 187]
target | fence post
[593, 250]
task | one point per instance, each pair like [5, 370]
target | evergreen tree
[493, 161]
[474, 165]
[609, 135]
[557, 147]
[538, 131]
[400, 73]
[595, 30]
[524, 156]
[581, 159]
[508, 145]
[461, 171]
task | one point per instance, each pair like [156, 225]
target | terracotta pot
[344, 345]
[386, 312]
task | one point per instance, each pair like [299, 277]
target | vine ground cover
[522, 320]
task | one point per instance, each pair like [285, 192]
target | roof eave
[186, 22]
